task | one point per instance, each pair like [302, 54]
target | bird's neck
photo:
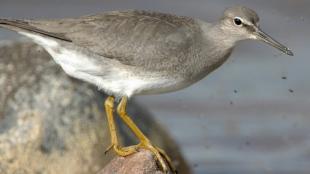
[216, 42]
[216, 34]
[215, 49]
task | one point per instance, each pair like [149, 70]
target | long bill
[269, 40]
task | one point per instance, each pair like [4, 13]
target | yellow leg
[122, 151]
[145, 143]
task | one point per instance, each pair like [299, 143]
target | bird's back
[161, 40]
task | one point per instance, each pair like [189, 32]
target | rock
[51, 124]
[138, 163]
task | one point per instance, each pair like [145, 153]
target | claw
[163, 159]
[108, 149]
[167, 159]
[125, 151]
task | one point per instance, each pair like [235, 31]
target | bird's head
[242, 23]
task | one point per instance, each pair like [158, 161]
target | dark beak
[269, 40]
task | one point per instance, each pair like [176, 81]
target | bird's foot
[123, 151]
[163, 159]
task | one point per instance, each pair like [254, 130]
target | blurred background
[249, 116]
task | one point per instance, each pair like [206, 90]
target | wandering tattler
[127, 53]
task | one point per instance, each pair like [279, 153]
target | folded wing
[127, 36]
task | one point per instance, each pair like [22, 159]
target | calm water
[249, 116]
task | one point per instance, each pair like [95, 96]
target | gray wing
[160, 40]
[20, 25]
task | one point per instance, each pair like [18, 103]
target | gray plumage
[160, 52]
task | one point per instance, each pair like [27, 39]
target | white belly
[114, 81]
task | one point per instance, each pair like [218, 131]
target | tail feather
[24, 25]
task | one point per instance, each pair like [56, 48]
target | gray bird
[128, 53]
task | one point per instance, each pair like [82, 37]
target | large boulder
[51, 123]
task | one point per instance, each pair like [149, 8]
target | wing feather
[130, 36]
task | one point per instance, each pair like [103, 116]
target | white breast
[112, 80]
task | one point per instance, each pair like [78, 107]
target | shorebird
[127, 53]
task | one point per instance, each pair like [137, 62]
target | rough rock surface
[138, 163]
[51, 124]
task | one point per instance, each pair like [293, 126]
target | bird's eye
[238, 21]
